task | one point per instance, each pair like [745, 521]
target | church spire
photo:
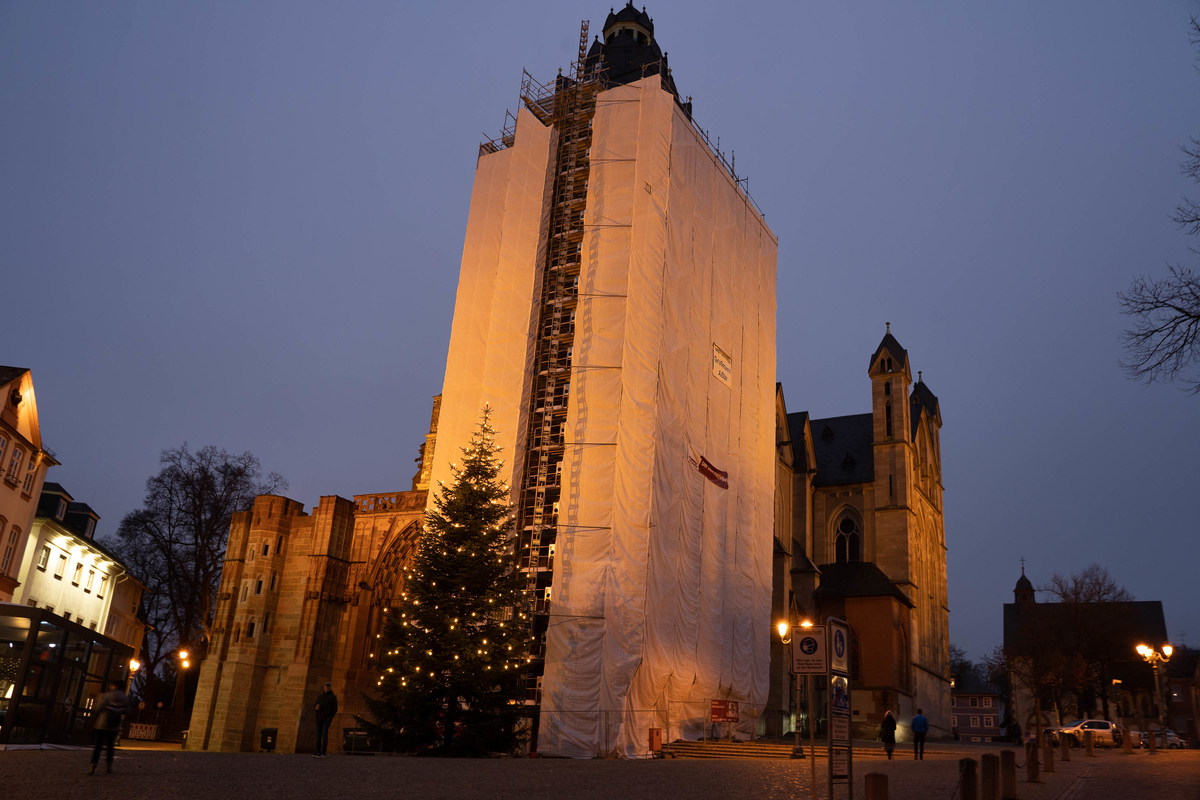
[1023, 591]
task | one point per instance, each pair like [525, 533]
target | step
[754, 750]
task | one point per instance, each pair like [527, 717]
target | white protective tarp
[495, 311]
[662, 584]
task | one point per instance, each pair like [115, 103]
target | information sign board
[839, 764]
[724, 711]
[809, 653]
[839, 642]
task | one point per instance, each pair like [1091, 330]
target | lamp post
[785, 637]
[179, 700]
[1153, 658]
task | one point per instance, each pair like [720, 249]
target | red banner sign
[724, 711]
[719, 477]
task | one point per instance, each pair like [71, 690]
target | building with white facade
[66, 571]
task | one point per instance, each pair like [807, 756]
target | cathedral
[616, 312]
[860, 535]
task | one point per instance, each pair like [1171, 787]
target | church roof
[629, 14]
[1023, 584]
[842, 446]
[889, 343]
[858, 579]
[1126, 625]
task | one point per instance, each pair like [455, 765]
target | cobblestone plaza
[197, 776]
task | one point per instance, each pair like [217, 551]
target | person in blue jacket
[920, 727]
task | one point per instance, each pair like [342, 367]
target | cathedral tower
[616, 310]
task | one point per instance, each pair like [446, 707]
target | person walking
[887, 733]
[920, 727]
[106, 723]
[326, 707]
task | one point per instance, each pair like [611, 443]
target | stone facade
[302, 601]
[866, 542]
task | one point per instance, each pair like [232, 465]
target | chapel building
[861, 536]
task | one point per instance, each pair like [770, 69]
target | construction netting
[495, 310]
[662, 582]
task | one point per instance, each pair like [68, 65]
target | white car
[1165, 739]
[1104, 733]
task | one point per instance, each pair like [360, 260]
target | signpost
[724, 711]
[841, 755]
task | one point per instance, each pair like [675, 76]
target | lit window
[103, 585]
[91, 578]
[974, 722]
[62, 567]
[987, 701]
[44, 558]
[77, 574]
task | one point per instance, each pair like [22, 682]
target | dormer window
[90, 528]
[62, 509]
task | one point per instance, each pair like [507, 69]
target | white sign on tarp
[809, 656]
[722, 366]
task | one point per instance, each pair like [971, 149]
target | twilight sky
[240, 224]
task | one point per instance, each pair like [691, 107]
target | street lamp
[785, 637]
[1153, 658]
[179, 684]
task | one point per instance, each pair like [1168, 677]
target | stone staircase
[727, 749]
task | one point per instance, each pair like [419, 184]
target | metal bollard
[1048, 764]
[1008, 775]
[876, 786]
[968, 779]
[1089, 744]
[1031, 763]
[989, 777]
[1064, 749]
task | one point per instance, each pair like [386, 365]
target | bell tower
[891, 421]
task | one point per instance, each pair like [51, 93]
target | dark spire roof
[1023, 592]
[921, 394]
[629, 14]
[9, 374]
[889, 343]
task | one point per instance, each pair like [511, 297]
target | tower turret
[1023, 591]
[890, 379]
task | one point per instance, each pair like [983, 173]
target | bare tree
[1163, 344]
[175, 545]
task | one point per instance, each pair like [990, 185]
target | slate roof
[1130, 624]
[857, 579]
[921, 394]
[898, 353]
[9, 374]
[970, 683]
[842, 446]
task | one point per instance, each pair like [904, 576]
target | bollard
[876, 786]
[1064, 748]
[1031, 764]
[1127, 741]
[1152, 740]
[968, 779]
[1048, 760]
[1089, 744]
[989, 777]
[1008, 775]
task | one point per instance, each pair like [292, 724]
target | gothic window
[887, 388]
[266, 548]
[848, 541]
[279, 546]
[258, 586]
[273, 576]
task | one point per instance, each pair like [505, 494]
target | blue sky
[240, 224]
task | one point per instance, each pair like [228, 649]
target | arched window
[888, 418]
[887, 388]
[847, 543]
[273, 576]
[279, 546]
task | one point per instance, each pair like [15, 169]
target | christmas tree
[454, 652]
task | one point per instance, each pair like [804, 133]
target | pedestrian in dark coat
[106, 723]
[920, 727]
[326, 707]
[887, 733]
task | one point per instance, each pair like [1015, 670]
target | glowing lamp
[134, 665]
[1167, 650]
[782, 628]
[183, 654]
[806, 624]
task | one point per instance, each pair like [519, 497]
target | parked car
[1104, 733]
[1165, 739]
